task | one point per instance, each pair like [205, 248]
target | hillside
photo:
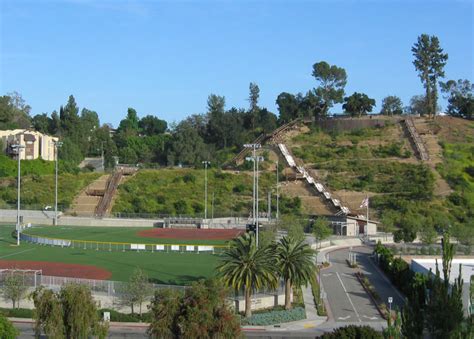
[37, 190]
[381, 162]
[181, 192]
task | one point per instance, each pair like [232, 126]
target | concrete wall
[261, 302]
[46, 218]
[104, 301]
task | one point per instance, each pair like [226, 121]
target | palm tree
[295, 264]
[244, 265]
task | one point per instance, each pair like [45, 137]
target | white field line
[348, 297]
[11, 254]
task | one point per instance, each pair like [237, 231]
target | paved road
[347, 298]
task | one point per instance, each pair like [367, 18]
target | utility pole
[57, 144]
[206, 163]
[18, 148]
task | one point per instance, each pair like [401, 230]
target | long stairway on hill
[85, 203]
[96, 200]
[318, 186]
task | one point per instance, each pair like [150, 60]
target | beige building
[37, 145]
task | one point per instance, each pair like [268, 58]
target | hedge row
[275, 317]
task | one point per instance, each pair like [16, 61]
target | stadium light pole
[277, 194]
[257, 159]
[254, 148]
[57, 145]
[18, 148]
[206, 163]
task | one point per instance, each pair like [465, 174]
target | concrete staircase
[86, 202]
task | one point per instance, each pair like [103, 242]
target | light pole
[57, 145]
[277, 195]
[255, 185]
[257, 159]
[390, 301]
[18, 148]
[254, 150]
[206, 163]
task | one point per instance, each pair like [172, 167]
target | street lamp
[206, 163]
[390, 301]
[18, 149]
[57, 145]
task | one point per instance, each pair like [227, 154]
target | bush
[275, 317]
[353, 332]
[17, 312]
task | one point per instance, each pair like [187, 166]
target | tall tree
[295, 264]
[248, 267]
[392, 105]
[69, 116]
[418, 106]
[253, 100]
[460, 95]
[200, 312]
[187, 147]
[321, 229]
[48, 313]
[14, 112]
[151, 125]
[14, 288]
[358, 104]
[445, 309]
[129, 125]
[332, 80]
[287, 106]
[137, 290]
[80, 315]
[429, 62]
[215, 117]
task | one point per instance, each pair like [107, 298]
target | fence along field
[124, 239]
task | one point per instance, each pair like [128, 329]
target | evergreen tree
[429, 62]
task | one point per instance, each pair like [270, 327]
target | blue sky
[165, 57]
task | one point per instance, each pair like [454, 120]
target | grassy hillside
[37, 190]
[181, 192]
[380, 162]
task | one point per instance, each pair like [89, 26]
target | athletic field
[161, 267]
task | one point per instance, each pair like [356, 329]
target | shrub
[353, 332]
[275, 317]
[17, 312]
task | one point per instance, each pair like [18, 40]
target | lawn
[110, 234]
[164, 268]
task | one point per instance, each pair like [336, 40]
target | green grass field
[162, 268]
[110, 234]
